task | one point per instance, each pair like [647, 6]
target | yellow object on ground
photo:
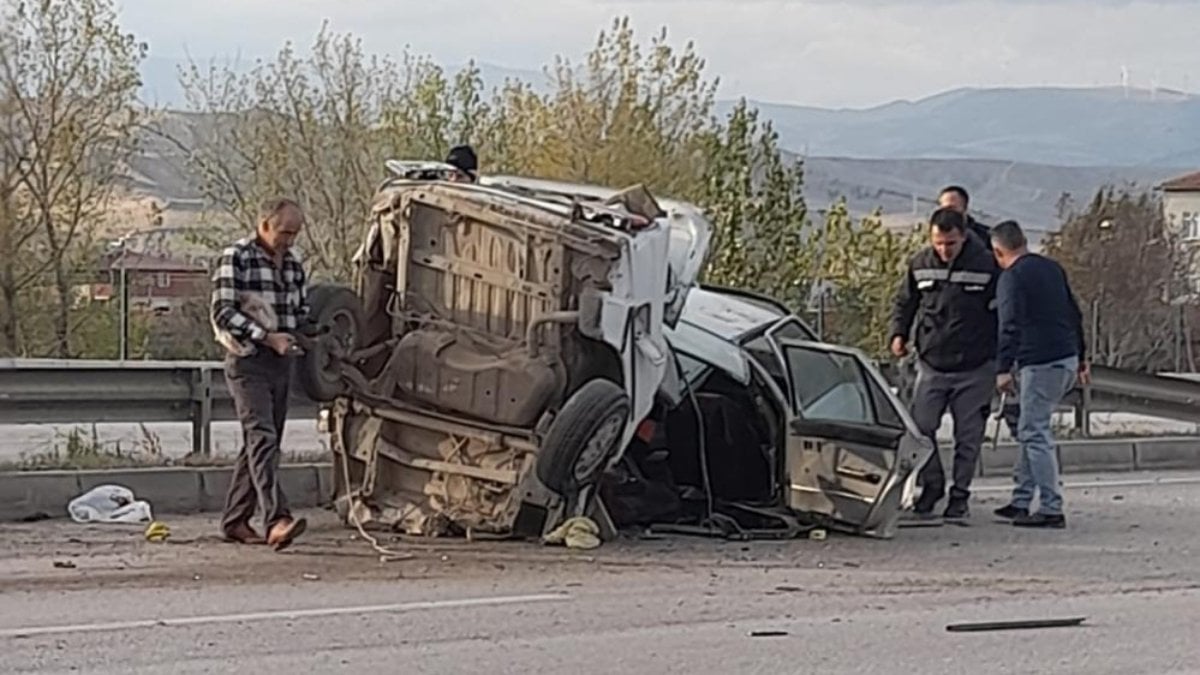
[157, 531]
[578, 532]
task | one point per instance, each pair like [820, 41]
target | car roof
[713, 323]
[729, 314]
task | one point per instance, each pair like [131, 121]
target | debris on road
[579, 532]
[311, 577]
[1014, 625]
[157, 532]
[768, 633]
[818, 534]
[109, 504]
[64, 564]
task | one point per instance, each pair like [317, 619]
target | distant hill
[1045, 125]
[906, 189]
[1016, 150]
[1057, 126]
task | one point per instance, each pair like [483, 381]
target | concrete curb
[26, 495]
[1094, 455]
[31, 495]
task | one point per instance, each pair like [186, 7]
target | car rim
[341, 332]
[599, 446]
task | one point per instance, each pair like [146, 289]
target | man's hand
[1004, 383]
[899, 348]
[1085, 373]
[280, 343]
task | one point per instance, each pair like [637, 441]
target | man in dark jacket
[955, 197]
[949, 294]
[1041, 335]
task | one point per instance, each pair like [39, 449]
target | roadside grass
[81, 448]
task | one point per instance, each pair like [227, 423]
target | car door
[852, 448]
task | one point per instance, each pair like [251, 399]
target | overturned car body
[519, 351]
[501, 343]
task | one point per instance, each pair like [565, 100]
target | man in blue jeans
[1041, 334]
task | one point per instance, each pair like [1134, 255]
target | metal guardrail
[1173, 396]
[59, 391]
[49, 391]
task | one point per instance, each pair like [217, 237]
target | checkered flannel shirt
[247, 267]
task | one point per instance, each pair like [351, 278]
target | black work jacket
[953, 307]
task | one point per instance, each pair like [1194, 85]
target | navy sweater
[1039, 319]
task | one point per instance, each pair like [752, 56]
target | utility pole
[122, 246]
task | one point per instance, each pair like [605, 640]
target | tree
[863, 265]
[755, 201]
[319, 127]
[68, 82]
[1126, 267]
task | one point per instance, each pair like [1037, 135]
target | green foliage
[863, 263]
[318, 124]
[754, 198]
[68, 85]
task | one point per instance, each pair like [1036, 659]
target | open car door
[852, 448]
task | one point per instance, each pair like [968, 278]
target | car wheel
[583, 437]
[337, 310]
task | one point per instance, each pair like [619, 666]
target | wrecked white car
[512, 345]
[766, 432]
[501, 342]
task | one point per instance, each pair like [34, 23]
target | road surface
[116, 604]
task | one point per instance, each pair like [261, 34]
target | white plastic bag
[109, 504]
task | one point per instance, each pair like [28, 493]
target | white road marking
[277, 615]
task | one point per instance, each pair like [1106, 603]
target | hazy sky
[818, 52]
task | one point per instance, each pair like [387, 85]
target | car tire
[583, 437]
[338, 309]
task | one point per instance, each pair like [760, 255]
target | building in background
[1181, 205]
[158, 284]
[1181, 210]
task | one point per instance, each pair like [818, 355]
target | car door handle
[867, 476]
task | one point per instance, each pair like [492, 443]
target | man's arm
[1009, 311]
[904, 309]
[226, 313]
[305, 321]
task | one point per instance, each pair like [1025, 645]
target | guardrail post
[202, 405]
[1083, 412]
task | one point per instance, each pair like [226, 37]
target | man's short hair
[947, 220]
[463, 158]
[1009, 235]
[958, 190]
[271, 208]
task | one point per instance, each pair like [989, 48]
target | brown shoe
[284, 532]
[243, 534]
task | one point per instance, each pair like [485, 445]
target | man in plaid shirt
[259, 300]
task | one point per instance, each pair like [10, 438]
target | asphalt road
[116, 604]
